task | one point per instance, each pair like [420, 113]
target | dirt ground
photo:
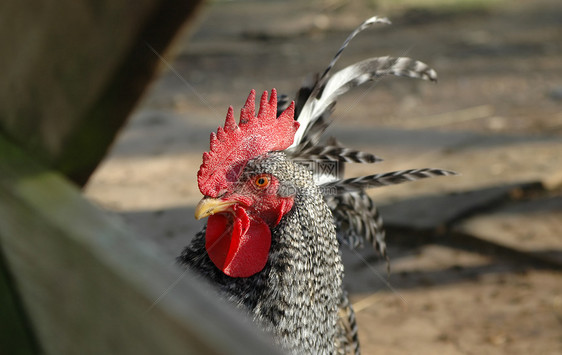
[495, 116]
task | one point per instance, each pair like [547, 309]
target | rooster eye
[261, 181]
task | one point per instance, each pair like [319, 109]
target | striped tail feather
[384, 179]
[315, 100]
[365, 25]
[357, 218]
[338, 153]
[314, 115]
[347, 340]
[357, 221]
[313, 85]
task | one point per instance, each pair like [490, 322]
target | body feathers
[297, 296]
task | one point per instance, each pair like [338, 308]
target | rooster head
[242, 201]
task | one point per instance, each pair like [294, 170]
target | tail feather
[384, 179]
[313, 116]
[336, 153]
[347, 341]
[366, 24]
[356, 217]
[357, 221]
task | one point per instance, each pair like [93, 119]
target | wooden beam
[91, 287]
[16, 336]
[72, 72]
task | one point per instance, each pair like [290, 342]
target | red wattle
[238, 246]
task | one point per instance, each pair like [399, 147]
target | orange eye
[261, 181]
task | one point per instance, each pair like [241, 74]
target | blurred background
[476, 258]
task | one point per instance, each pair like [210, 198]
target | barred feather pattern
[316, 111]
[347, 341]
[366, 24]
[356, 217]
[337, 153]
[273, 293]
[384, 179]
[357, 221]
[313, 85]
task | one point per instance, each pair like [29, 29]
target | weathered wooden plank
[72, 71]
[89, 286]
[15, 335]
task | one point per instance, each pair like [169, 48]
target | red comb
[233, 145]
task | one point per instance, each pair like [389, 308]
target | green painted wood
[90, 286]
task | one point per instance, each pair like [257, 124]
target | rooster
[271, 245]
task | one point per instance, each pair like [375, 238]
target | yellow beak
[209, 206]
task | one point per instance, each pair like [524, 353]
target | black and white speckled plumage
[296, 296]
[356, 216]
